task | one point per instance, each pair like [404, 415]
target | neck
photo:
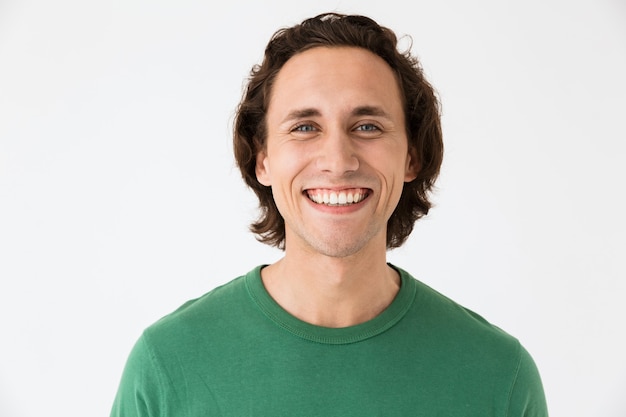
[330, 291]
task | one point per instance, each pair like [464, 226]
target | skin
[335, 123]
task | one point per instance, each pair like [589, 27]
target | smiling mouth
[337, 197]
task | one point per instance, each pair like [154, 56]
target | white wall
[119, 198]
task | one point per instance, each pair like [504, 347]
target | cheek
[287, 165]
[392, 161]
[285, 181]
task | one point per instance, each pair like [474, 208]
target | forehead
[340, 75]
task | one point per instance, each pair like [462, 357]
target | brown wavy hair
[421, 108]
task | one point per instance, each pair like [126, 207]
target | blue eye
[304, 128]
[367, 127]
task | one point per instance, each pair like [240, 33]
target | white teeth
[336, 198]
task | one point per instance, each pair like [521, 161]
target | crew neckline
[328, 335]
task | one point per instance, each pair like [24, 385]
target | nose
[337, 154]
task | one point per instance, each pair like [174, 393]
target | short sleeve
[140, 393]
[527, 398]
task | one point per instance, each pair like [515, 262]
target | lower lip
[350, 208]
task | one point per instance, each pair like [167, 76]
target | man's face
[336, 153]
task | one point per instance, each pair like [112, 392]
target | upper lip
[337, 195]
[337, 188]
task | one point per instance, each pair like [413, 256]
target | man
[338, 134]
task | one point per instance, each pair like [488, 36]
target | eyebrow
[302, 113]
[358, 111]
[370, 111]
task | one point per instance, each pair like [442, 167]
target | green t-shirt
[236, 352]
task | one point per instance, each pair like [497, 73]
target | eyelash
[309, 126]
[371, 127]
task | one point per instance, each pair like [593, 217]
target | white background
[119, 197]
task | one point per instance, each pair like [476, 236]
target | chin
[342, 249]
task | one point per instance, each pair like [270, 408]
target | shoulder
[447, 326]
[213, 313]
[438, 309]
[216, 299]
[462, 342]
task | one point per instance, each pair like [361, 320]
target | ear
[412, 167]
[262, 168]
